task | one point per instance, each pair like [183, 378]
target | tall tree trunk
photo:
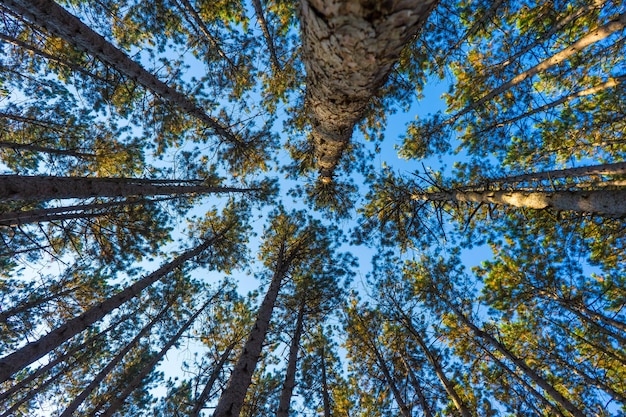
[78, 400]
[32, 303]
[260, 17]
[57, 20]
[206, 391]
[19, 187]
[290, 374]
[419, 390]
[527, 370]
[37, 148]
[611, 203]
[325, 394]
[135, 383]
[349, 49]
[35, 350]
[233, 396]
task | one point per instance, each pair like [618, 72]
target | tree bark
[418, 389]
[35, 350]
[204, 395]
[325, 394]
[610, 203]
[58, 21]
[117, 402]
[290, 374]
[78, 400]
[233, 396]
[260, 17]
[18, 187]
[349, 49]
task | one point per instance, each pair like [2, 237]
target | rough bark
[204, 395]
[58, 21]
[610, 203]
[78, 400]
[349, 49]
[135, 383]
[232, 398]
[292, 362]
[18, 187]
[37, 349]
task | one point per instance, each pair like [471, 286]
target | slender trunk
[290, 374]
[73, 66]
[592, 37]
[57, 20]
[206, 391]
[30, 120]
[553, 410]
[434, 362]
[18, 187]
[104, 372]
[37, 148]
[260, 17]
[527, 370]
[135, 383]
[233, 396]
[610, 83]
[578, 307]
[348, 50]
[325, 394]
[418, 389]
[35, 350]
[187, 8]
[610, 203]
[65, 357]
[14, 218]
[31, 304]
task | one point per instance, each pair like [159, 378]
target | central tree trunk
[349, 49]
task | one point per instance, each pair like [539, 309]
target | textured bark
[521, 364]
[349, 49]
[58, 21]
[292, 362]
[18, 187]
[592, 37]
[117, 359]
[37, 349]
[206, 391]
[232, 398]
[136, 381]
[611, 203]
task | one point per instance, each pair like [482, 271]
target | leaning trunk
[35, 350]
[290, 374]
[204, 396]
[349, 49]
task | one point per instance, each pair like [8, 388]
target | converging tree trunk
[206, 391]
[35, 350]
[290, 373]
[349, 49]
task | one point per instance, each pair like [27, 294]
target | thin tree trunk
[14, 218]
[260, 17]
[35, 350]
[118, 401]
[206, 391]
[527, 370]
[104, 372]
[290, 374]
[31, 304]
[418, 389]
[594, 36]
[18, 187]
[611, 203]
[61, 358]
[325, 394]
[349, 49]
[581, 308]
[57, 20]
[234, 394]
[43, 149]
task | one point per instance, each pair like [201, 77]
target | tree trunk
[32, 303]
[37, 148]
[349, 49]
[325, 394]
[18, 187]
[290, 374]
[610, 203]
[260, 17]
[104, 372]
[233, 396]
[594, 36]
[117, 402]
[527, 370]
[35, 350]
[204, 395]
[418, 389]
[58, 21]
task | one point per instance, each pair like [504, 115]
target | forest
[351, 208]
